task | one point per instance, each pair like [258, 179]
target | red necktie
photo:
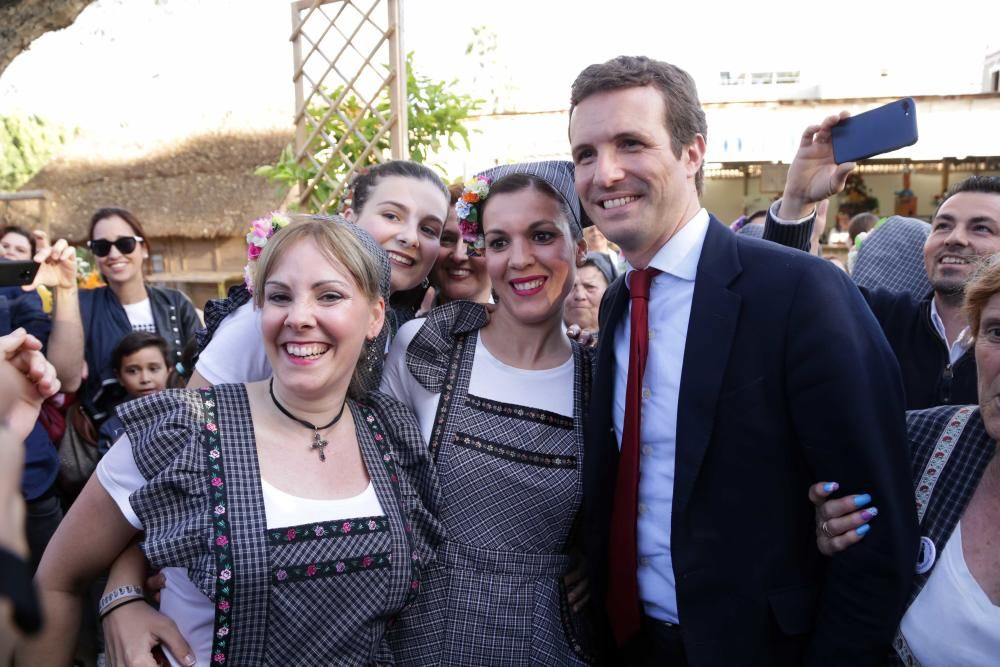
[623, 589]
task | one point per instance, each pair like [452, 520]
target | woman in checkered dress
[402, 205]
[501, 402]
[292, 516]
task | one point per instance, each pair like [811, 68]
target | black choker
[319, 442]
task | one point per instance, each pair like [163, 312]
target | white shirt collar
[961, 344]
[679, 256]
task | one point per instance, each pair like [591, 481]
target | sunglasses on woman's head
[125, 245]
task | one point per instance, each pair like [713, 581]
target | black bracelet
[16, 584]
[119, 606]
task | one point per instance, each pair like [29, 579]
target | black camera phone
[13, 273]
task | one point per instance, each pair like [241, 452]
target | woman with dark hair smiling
[501, 405]
[457, 275]
[124, 305]
[16, 244]
[402, 204]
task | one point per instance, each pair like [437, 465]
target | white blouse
[550, 389]
[953, 621]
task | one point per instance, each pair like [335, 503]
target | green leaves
[26, 144]
[435, 118]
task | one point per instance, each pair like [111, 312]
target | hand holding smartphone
[17, 273]
[882, 130]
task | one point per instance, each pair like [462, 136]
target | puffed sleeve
[418, 483]
[174, 504]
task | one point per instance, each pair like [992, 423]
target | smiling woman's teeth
[531, 284]
[306, 351]
[401, 259]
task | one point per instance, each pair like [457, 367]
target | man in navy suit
[753, 371]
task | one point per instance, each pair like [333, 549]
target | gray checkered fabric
[557, 173]
[164, 431]
[280, 619]
[755, 230]
[511, 487]
[370, 366]
[217, 310]
[892, 257]
[428, 355]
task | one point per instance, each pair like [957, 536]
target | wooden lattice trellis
[350, 92]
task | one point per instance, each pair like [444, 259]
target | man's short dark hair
[685, 117]
[975, 183]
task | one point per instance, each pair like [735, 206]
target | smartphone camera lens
[906, 108]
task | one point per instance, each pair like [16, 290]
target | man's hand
[57, 267]
[27, 379]
[813, 175]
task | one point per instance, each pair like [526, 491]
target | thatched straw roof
[202, 188]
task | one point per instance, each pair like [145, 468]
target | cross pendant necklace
[319, 443]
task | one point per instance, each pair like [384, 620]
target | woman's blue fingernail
[861, 530]
[862, 500]
[830, 487]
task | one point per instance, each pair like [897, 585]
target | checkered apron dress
[309, 594]
[510, 478]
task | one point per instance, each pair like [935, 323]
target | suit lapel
[715, 313]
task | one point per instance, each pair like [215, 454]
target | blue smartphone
[874, 132]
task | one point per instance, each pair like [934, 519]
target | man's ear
[694, 154]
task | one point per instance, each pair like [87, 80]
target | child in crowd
[140, 363]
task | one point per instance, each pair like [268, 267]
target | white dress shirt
[960, 345]
[670, 299]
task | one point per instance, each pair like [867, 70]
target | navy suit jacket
[787, 380]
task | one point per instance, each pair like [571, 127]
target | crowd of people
[556, 414]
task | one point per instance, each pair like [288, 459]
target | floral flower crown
[261, 230]
[475, 192]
